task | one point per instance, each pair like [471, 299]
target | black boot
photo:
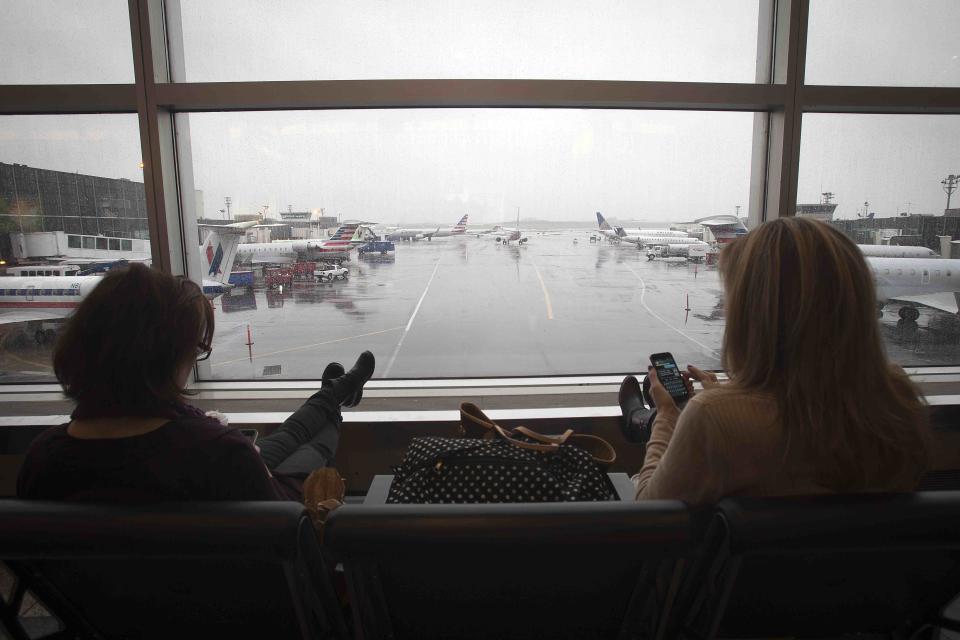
[637, 418]
[348, 388]
[333, 371]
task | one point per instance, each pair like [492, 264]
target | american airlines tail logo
[462, 225]
[214, 259]
[344, 232]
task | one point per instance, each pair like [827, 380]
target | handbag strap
[475, 423]
[530, 433]
[530, 446]
[599, 449]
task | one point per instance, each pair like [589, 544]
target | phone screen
[250, 433]
[669, 375]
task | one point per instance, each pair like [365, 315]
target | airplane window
[46, 292]
[21, 292]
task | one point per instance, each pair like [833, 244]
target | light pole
[950, 185]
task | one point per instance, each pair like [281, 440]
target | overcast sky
[412, 165]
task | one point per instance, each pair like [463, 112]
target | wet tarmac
[469, 307]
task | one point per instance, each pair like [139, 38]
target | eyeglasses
[203, 352]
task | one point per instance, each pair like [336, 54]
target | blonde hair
[801, 324]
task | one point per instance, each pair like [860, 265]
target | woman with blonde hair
[812, 405]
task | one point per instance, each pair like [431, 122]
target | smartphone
[250, 433]
[669, 375]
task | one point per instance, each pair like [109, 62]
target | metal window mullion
[68, 98]
[785, 125]
[167, 240]
[875, 99]
[452, 93]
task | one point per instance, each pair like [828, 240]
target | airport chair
[570, 570]
[883, 565]
[221, 569]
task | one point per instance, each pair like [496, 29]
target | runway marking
[306, 346]
[643, 294]
[546, 294]
[416, 309]
[47, 368]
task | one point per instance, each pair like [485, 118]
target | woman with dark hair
[812, 404]
[125, 357]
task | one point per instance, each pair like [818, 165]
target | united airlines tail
[219, 249]
[604, 225]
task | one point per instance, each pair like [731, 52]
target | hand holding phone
[668, 374]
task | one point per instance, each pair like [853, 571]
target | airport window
[75, 174]
[50, 42]
[697, 137]
[549, 167]
[883, 42]
[604, 40]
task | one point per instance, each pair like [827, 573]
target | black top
[185, 459]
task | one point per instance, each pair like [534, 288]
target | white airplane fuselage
[898, 277]
[896, 251]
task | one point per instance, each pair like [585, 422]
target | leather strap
[474, 423]
[543, 448]
[530, 433]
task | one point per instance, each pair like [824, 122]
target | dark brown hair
[801, 324]
[120, 352]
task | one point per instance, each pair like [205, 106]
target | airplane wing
[11, 316]
[944, 301]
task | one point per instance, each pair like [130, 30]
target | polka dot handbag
[496, 464]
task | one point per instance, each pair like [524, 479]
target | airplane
[458, 229]
[928, 282]
[339, 245]
[668, 233]
[896, 251]
[43, 298]
[645, 237]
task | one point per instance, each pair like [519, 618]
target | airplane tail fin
[461, 227]
[604, 225]
[346, 231]
[219, 249]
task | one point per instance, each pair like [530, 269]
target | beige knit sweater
[729, 443]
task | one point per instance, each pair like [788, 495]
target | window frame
[779, 98]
